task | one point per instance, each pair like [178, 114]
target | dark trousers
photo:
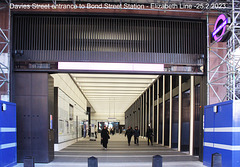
[129, 139]
[136, 139]
[105, 144]
[150, 138]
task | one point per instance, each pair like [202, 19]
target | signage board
[220, 33]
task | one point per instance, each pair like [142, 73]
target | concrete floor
[119, 154]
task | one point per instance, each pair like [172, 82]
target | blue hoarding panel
[209, 117]
[8, 140]
[208, 137]
[223, 138]
[209, 151]
[223, 118]
[222, 133]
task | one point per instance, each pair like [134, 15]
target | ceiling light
[110, 66]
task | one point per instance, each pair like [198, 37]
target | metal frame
[54, 2]
[4, 79]
[230, 78]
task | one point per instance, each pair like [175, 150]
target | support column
[157, 111]
[149, 107]
[153, 113]
[192, 114]
[133, 107]
[179, 112]
[170, 114]
[163, 111]
[139, 112]
[146, 121]
[140, 116]
[143, 118]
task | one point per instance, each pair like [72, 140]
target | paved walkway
[119, 154]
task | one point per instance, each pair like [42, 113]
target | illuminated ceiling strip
[112, 86]
[112, 89]
[132, 76]
[110, 66]
[112, 92]
[110, 81]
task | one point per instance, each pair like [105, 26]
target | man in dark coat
[136, 135]
[129, 133]
[104, 137]
[149, 134]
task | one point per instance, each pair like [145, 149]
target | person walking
[121, 129]
[136, 135]
[96, 131]
[129, 133]
[149, 134]
[104, 137]
[113, 131]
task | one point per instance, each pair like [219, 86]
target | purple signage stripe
[220, 27]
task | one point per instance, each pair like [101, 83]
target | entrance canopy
[42, 41]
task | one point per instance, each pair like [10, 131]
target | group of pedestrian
[129, 133]
[112, 131]
[136, 133]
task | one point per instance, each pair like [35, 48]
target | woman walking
[104, 137]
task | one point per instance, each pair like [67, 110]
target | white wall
[69, 94]
[67, 127]
[65, 83]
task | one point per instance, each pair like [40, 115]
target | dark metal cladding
[84, 38]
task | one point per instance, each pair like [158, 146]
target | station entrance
[169, 52]
[66, 105]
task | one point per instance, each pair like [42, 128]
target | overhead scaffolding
[226, 73]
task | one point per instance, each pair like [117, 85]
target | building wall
[69, 96]
[67, 85]
[35, 105]
[145, 111]
[69, 128]
[219, 49]
[4, 24]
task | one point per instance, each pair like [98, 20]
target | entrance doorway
[111, 97]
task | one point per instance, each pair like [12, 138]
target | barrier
[8, 139]
[29, 161]
[157, 161]
[92, 162]
[216, 160]
[222, 134]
